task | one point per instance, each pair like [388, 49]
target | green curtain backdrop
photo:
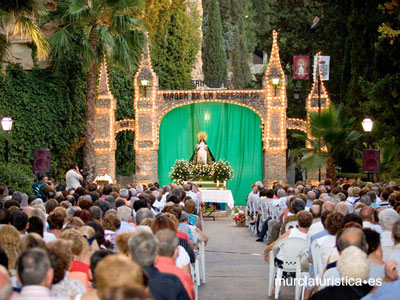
[234, 134]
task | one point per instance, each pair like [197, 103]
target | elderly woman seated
[387, 218]
[305, 220]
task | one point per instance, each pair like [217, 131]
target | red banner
[301, 68]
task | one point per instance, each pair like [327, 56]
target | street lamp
[367, 124]
[296, 93]
[6, 125]
[275, 82]
[145, 83]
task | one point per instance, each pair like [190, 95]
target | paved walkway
[235, 266]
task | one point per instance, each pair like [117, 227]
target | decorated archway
[151, 105]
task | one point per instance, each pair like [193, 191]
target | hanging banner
[300, 67]
[324, 63]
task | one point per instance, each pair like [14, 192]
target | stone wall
[146, 166]
[274, 167]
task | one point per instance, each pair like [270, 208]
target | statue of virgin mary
[202, 154]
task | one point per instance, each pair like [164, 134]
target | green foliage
[108, 27]
[16, 18]
[239, 41]
[331, 140]
[175, 40]
[17, 176]
[241, 76]
[214, 58]
[391, 28]
[125, 154]
[243, 44]
[122, 88]
[48, 112]
[95, 29]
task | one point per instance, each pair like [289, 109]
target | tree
[17, 18]
[244, 42]
[95, 29]
[331, 139]
[174, 34]
[391, 28]
[241, 75]
[214, 58]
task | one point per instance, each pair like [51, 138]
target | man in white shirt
[73, 177]
[104, 176]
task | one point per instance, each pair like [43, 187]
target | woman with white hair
[387, 218]
[354, 267]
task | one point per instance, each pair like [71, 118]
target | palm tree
[20, 18]
[330, 134]
[95, 29]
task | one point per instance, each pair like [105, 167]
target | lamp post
[145, 83]
[367, 125]
[275, 82]
[296, 93]
[6, 125]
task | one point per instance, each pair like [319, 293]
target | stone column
[146, 114]
[275, 142]
[274, 167]
[104, 142]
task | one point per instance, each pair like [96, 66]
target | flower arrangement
[222, 170]
[238, 216]
[181, 171]
[211, 208]
[184, 171]
[203, 170]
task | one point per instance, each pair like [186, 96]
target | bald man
[5, 284]
[367, 214]
[318, 226]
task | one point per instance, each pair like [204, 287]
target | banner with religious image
[324, 63]
[300, 67]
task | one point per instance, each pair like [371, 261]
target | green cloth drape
[234, 134]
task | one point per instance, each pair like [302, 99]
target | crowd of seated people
[351, 223]
[111, 242]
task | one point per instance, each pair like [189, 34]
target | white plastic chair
[201, 256]
[288, 251]
[291, 224]
[254, 209]
[300, 289]
[275, 212]
[317, 254]
[195, 280]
